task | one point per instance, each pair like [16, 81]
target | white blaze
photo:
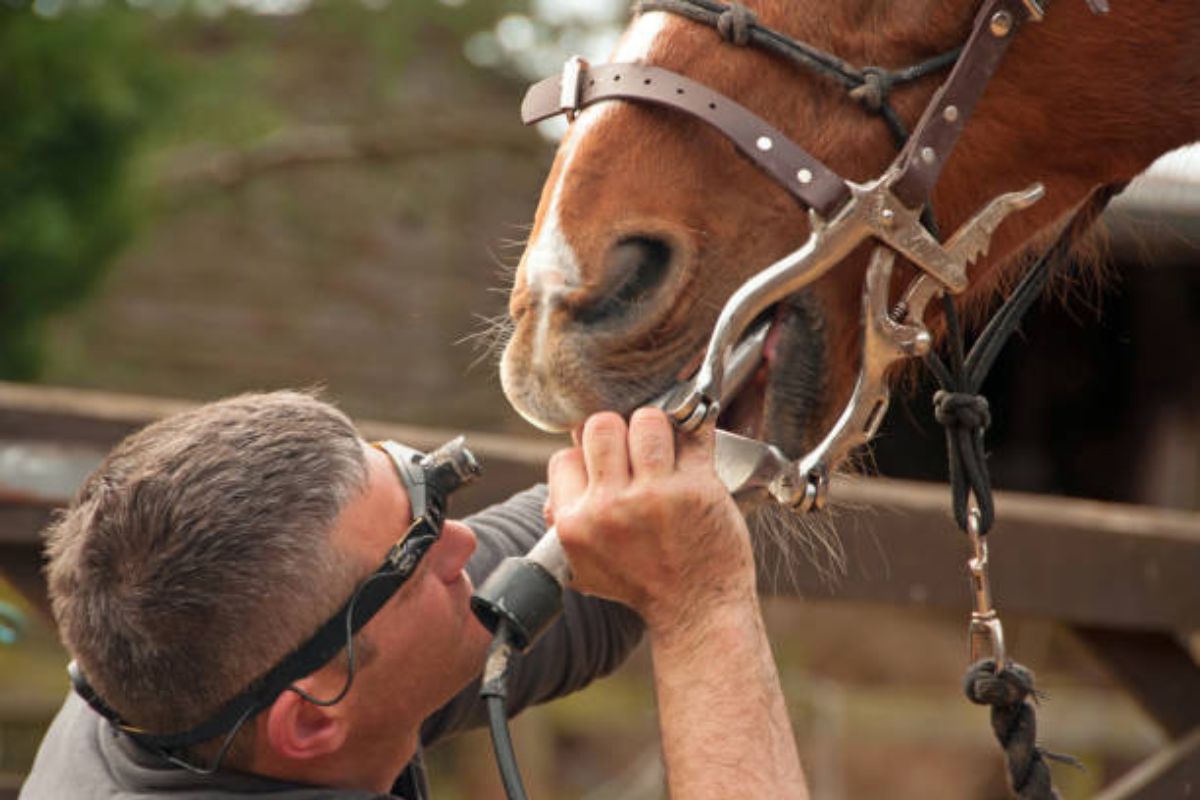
[551, 265]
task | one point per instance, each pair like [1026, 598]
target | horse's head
[650, 219]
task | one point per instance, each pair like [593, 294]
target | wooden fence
[1126, 579]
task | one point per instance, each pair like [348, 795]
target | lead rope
[1006, 686]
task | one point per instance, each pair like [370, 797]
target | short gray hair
[199, 552]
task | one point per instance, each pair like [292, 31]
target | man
[205, 551]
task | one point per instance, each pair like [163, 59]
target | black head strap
[319, 650]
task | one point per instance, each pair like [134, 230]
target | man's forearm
[725, 728]
[645, 520]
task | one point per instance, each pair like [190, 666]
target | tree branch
[301, 147]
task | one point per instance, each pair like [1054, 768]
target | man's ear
[301, 731]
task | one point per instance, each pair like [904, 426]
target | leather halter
[804, 176]
[844, 214]
[889, 210]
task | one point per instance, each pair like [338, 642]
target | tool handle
[525, 592]
[548, 554]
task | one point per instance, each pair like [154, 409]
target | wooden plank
[1084, 562]
[1171, 774]
[22, 568]
[1156, 670]
[69, 415]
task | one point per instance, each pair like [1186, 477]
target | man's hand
[645, 521]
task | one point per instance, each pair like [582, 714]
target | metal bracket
[574, 71]
[872, 212]
[751, 469]
[803, 485]
[1036, 12]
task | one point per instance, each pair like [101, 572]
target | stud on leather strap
[806, 178]
[942, 123]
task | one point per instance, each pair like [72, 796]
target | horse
[672, 223]
[721, 188]
[650, 220]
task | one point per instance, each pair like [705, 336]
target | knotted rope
[735, 23]
[959, 406]
[965, 415]
[876, 87]
[870, 86]
[1014, 723]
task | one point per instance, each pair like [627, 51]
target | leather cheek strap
[941, 124]
[806, 178]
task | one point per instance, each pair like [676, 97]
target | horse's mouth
[781, 402]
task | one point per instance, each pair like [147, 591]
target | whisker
[505, 271]
[785, 541]
[489, 340]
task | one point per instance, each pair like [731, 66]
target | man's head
[209, 545]
[166, 572]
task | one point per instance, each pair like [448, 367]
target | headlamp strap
[317, 651]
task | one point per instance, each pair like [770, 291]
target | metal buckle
[985, 632]
[571, 86]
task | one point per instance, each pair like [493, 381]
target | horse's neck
[1124, 88]
[1081, 102]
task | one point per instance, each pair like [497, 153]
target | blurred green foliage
[94, 94]
[77, 94]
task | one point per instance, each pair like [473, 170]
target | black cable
[494, 691]
[212, 768]
[506, 758]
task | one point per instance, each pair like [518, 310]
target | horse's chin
[533, 395]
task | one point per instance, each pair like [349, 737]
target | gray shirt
[84, 758]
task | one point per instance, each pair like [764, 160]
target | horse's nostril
[641, 262]
[633, 268]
